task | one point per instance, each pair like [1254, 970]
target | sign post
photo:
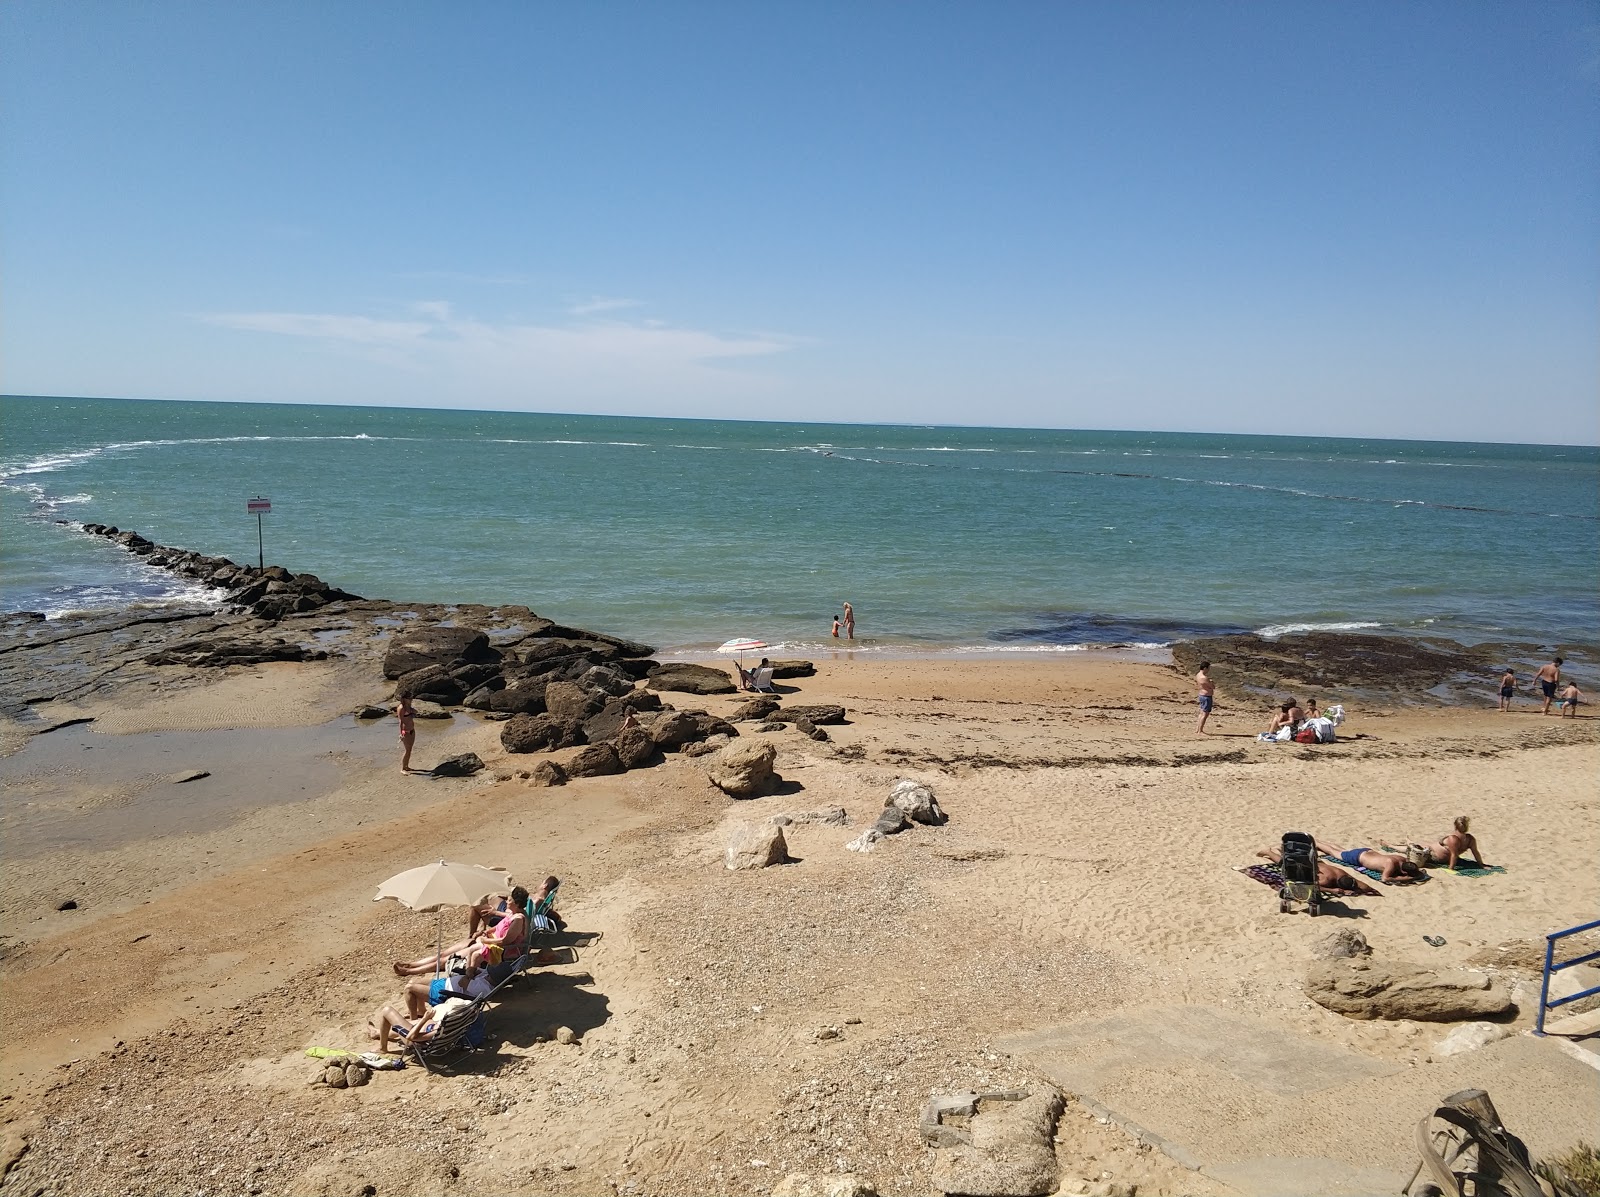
[258, 508]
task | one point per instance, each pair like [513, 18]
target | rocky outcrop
[608, 721]
[756, 710]
[522, 698]
[416, 648]
[815, 714]
[686, 678]
[597, 760]
[634, 747]
[788, 669]
[743, 769]
[464, 765]
[755, 846]
[916, 802]
[1362, 988]
[674, 729]
[219, 651]
[1343, 944]
[537, 733]
[1007, 1146]
[547, 773]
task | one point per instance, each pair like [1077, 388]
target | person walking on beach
[849, 622]
[1569, 700]
[1208, 694]
[1549, 677]
[1508, 687]
[408, 731]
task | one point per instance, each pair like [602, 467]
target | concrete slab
[1271, 1112]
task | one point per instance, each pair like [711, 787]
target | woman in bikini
[849, 622]
[408, 731]
[484, 948]
[1455, 845]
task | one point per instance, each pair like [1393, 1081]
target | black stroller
[1299, 868]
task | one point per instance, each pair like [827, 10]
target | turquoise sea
[686, 533]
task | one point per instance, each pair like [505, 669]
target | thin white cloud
[355, 330]
[600, 303]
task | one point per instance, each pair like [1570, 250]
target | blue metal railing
[1550, 966]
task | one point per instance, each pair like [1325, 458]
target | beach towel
[1462, 868]
[1373, 874]
[1267, 874]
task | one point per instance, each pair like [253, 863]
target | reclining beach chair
[761, 681]
[455, 1034]
[1299, 869]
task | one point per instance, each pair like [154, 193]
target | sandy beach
[733, 1027]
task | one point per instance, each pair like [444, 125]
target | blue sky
[1349, 219]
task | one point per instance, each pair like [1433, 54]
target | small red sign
[258, 506]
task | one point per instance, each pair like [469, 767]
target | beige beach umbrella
[435, 886]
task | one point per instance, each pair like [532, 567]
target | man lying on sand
[1390, 865]
[1329, 878]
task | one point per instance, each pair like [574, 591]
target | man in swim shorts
[1549, 677]
[1390, 866]
[1329, 878]
[1208, 695]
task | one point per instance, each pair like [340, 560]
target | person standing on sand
[1549, 677]
[849, 622]
[1508, 687]
[1208, 694]
[408, 731]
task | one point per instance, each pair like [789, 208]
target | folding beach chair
[455, 1033]
[1299, 869]
[761, 681]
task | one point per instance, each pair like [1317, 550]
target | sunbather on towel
[1452, 847]
[1328, 878]
[1391, 866]
[486, 947]
[411, 1030]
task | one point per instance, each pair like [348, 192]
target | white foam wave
[1274, 630]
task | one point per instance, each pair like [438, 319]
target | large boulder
[547, 773]
[756, 710]
[816, 713]
[782, 669]
[743, 769]
[570, 701]
[607, 679]
[635, 748]
[546, 653]
[221, 651]
[432, 682]
[672, 730]
[916, 801]
[417, 647]
[464, 765]
[1362, 988]
[686, 678]
[619, 646]
[597, 760]
[536, 733]
[608, 721]
[1010, 1149]
[755, 846]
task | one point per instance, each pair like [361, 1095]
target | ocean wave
[49, 463]
[1274, 630]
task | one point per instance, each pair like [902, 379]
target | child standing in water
[408, 731]
[835, 627]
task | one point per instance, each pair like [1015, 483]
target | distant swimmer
[849, 622]
[1549, 677]
[1208, 695]
[1508, 687]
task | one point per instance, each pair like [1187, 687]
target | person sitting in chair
[411, 1030]
[486, 947]
[1329, 878]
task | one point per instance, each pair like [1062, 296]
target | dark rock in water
[548, 773]
[814, 714]
[687, 678]
[782, 669]
[215, 652]
[536, 733]
[620, 647]
[464, 765]
[755, 710]
[1331, 661]
[597, 760]
[371, 712]
[415, 648]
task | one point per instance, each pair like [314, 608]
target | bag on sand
[1306, 735]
